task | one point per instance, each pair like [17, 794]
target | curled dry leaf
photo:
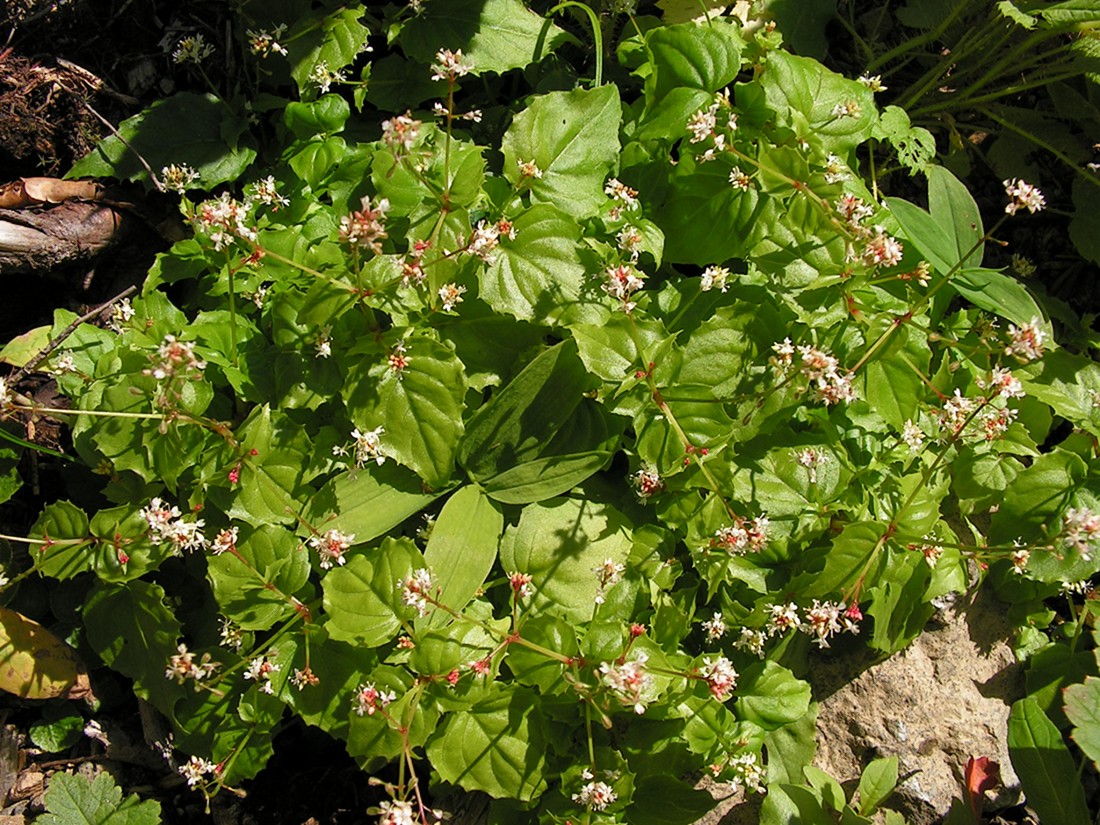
[37, 191]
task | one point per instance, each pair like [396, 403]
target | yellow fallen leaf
[35, 664]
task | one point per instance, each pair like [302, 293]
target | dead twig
[44, 353]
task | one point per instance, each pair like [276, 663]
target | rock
[942, 700]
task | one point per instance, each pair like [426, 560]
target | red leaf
[982, 774]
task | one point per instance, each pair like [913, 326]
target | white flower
[913, 436]
[449, 295]
[740, 180]
[192, 49]
[331, 547]
[401, 132]
[528, 169]
[849, 108]
[225, 541]
[783, 617]
[1026, 343]
[608, 574]
[720, 677]
[873, 82]
[369, 699]
[321, 77]
[714, 277]
[178, 178]
[1023, 196]
[450, 65]
[262, 43]
[702, 124]
[623, 281]
[595, 796]
[397, 813]
[196, 769]
[835, 169]
[715, 627]
[417, 589]
[368, 446]
[629, 681]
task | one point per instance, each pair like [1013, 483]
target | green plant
[676, 395]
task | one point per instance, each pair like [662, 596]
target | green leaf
[803, 23]
[573, 138]
[849, 556]
[370, 501]
[494, 35]
[539, 276]
[336, 40]
[559, 543]
[57, 732]
[828, 788]
[998, 293]
[259, 597]
[665, 800]
[694, 57]
[531, 667]
[539, 437]
[876, 784]
[420, 407]
[75, 800]
[894, 384]
[805, 93]
[1083, 710]
[496, 747]
[135, 634]
[22, 348]
[325, 116]
[363, 598]
[1065, 381]
[1047, 771]
[463, 547]
[953, 208]
[216, 143]
[770, 696]
[65, 528]
[915, 145]
[375, 736]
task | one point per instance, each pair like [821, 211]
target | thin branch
[44, 353]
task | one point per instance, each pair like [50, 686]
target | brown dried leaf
[37, 191]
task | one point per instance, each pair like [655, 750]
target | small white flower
[178, 178]
[873, 82]
[714, 277]
[1023, 195]
[196, 769]
[331, 547]
[913, 436]
[449, 295]
[417, 589]
[1026, 343]
[608, 574]
[192, 49]
[450, 65]
[595, 796]
[715, 627]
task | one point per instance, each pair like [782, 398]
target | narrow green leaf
[829, 789]
[1046, 769]
[998, 293]
[463, 547]
[876, 784]
[953, 208]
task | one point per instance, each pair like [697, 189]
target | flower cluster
[828, 383]
[192, 49]
[1080, 530]
[175, 358]
[646, 482]
[225, 541]
[369, 699]
[621, 282]
[178, 178]
[265, 191]
[747, 772]
[752, 641]
[743, 536]
[260, 671]
[705, 124]
[1023, 195]
[450, 65]
[262, 43]
[629, 681]
[811, 459]
[182, 666]
[823, 620]
[608, 574]
[322, 77]
[595, 795]
[714, 277]
[331, 547]
[401, 133]
[720, 676]
[521, 584]
[627, 197]
[929, 549]
[225, 219]
[366, 227]
[913, 436]
[1026, 341]
[417, 589]
[450, 295]
[367, 446]
[486, 238]
[167, 526]
[196, 770]
[715, 627]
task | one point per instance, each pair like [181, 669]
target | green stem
[597, 33]
[917, 42]
[1091, 177]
